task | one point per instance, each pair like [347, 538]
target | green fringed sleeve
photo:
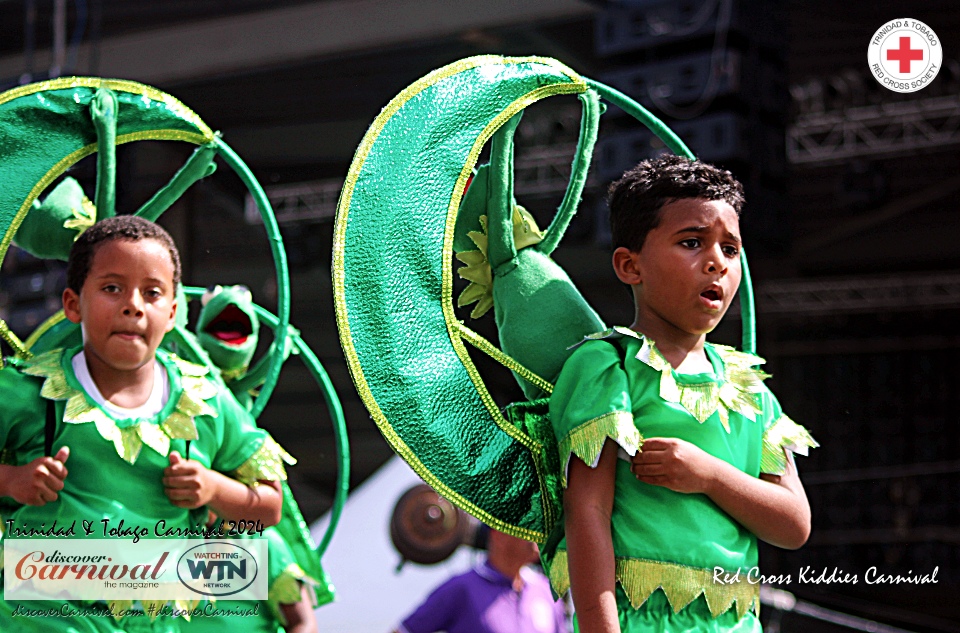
[265, 464]
[783, 434]
[591, 403]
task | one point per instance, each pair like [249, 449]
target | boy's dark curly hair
[120, 227]
[636, 199]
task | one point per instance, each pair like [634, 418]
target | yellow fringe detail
[587, 440]
[783, 433]
[681, 585]
[507, 361]
[265, 464]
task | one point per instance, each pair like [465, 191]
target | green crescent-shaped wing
[45, 129]
[393, 275]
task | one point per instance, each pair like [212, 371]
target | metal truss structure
[860, 294]
[875, 130]
[300, 202]
[540, 170]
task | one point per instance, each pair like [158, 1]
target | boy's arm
[774, 508]
[587, 506]
[189, 484]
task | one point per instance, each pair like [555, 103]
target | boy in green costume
[676, 456]
[125, 414]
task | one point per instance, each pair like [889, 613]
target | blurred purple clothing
[483, 601]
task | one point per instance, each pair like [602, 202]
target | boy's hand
[188, 483]
[37, 483]
[675, 464]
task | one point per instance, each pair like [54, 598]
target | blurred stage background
[851, 224]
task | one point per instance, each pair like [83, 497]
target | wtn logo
[224, 569]
[215, 568]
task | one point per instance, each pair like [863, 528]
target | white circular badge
[904, 55]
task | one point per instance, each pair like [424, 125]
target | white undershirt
[154, 404]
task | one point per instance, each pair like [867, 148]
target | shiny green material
[199, 165]
[45, 231]
[393, 284]
[103, 111]
[406, 189]
[60, 116]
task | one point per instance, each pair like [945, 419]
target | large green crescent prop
[393, 277]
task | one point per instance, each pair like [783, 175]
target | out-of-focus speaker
[427, 529]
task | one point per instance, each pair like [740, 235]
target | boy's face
[126, 304]
[689, 267]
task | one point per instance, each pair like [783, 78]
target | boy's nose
[715, 262]
[134, 305]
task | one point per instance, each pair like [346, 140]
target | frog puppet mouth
[231, 327]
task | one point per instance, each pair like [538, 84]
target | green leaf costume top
[129, 454]
[661, 538]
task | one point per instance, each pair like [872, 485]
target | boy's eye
[731, 251]
[111, 288]
[690, 242]
[153, 293]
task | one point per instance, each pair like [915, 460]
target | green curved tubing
[500, 247]
[103, 112]
[199, 165]
[589, 125]
[333, 406]
[279, 258]
[748, 340]
[747, 314]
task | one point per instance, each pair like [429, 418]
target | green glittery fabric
[393, 271]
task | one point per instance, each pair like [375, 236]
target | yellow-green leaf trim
[680, 584]
[738, 390]
[587, 440]
[783, 434]
[265, 464]
[127, 441]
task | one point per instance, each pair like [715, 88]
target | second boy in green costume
[674, 450]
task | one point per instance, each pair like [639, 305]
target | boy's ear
[173, 316]
[71, 305]
[627, 266]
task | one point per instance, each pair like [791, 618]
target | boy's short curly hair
[120, 227]
[636, 199]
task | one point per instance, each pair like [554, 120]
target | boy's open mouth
[710, 294]
[231, 326]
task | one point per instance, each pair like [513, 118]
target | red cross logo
[905, 54]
